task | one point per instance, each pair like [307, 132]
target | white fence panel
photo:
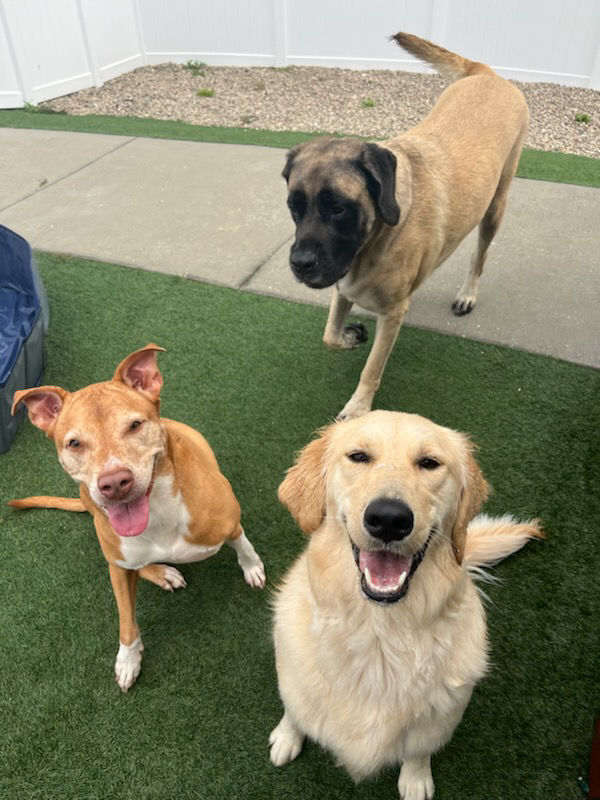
[11, 85]
[53, 47]
[536, 40]
[229, 32]
[354, 33]
[115, 39]
[48, 46]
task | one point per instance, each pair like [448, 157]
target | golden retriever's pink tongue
[384, 570]
[130, 519]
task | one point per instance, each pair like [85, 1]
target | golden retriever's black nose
[388, 520]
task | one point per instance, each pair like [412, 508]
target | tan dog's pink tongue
[384, 567]
[130, 519]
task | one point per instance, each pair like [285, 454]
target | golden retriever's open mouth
[385, 575]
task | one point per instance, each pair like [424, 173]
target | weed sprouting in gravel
[197, 68]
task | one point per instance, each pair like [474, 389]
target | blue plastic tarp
[24, 318]
[22, 299]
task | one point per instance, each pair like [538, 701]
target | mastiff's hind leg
[467, 295]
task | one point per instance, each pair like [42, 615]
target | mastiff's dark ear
[290, 162]
[379, 167]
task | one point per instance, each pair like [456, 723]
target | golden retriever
[380, 633]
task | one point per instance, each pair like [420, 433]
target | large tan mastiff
[376, 219]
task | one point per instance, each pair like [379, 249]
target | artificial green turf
[534, 164]
[152, 128]
[559, 167]
[251, 373]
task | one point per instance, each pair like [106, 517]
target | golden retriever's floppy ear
[473, 494]
[303, 488]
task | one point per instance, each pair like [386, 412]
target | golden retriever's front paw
[415, 781]
[285, 742]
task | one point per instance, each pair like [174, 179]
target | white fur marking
[164, 538]
[128, 663]
[249, 560]
[172, 579]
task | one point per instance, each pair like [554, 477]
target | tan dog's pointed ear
[303, 488]
[474, 492]
[44, 404]
[139, 370]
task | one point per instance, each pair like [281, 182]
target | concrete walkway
[218, 213]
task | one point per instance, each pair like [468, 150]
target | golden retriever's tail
[449, 64]
[490, 539]
[44, 501]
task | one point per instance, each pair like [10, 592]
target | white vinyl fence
[50, 48]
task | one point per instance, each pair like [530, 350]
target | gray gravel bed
[371, 103]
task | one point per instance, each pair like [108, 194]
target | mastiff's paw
[354, 334]
[463, 305]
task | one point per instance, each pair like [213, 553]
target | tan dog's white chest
[165, 537]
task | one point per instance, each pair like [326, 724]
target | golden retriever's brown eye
[74, 443]
[359, 457]
[135, 424]
[428, 463]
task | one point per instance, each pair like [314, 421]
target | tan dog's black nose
[388, 520]
[303, 259]
[116, 485]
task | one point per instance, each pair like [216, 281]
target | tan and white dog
[152, 485]
[380, 633]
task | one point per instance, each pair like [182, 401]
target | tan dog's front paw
[128, 663]
[249, 560]
[463, 305]
[464, 302]
[168, 578]
[255, 576]
[355, 408]
[351, 336]
[355, 334]
[172, 579]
